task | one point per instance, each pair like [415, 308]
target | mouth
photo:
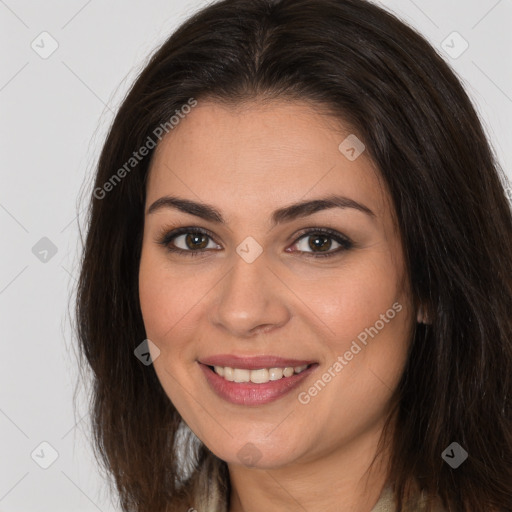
[254, 381]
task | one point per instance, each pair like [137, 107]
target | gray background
[54, 115]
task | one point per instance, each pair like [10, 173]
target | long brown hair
[404, 102]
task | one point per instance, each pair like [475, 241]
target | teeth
[260, 376]
[288, 372]
[275, 373]
[241, 375]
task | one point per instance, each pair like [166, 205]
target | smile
[260, 381]
[260, 376]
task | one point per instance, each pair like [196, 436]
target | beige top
[386, 503]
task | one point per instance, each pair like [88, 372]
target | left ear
[422, 316]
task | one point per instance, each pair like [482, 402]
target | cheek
[155, 299]
[171, 303]
[354, 298]
[166, 299]
[368, 321]
[165, 308]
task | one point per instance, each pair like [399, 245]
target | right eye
[189, 241]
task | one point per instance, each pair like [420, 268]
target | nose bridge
[250, 296]
[247, 278]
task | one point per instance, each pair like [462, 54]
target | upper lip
[253, 362]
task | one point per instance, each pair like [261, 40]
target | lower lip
[248, 393]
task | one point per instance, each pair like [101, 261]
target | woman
[298, 220]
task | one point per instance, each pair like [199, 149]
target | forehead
[253, 155]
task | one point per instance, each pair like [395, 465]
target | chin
[256, 454]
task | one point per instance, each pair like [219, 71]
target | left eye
[321, 244]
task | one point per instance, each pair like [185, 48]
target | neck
[338, 481]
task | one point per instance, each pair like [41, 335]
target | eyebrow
[279, 216]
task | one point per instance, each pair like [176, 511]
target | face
[309, 303]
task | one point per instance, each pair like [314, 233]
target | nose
[250, 300]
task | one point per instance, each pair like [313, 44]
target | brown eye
[322, 243]
[319, 243]
[188, 241]
[196, 241]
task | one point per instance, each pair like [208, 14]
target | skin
[248, 161]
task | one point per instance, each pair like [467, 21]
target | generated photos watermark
[305, 397]
[454, 455]
[143, 151]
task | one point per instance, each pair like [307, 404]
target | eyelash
[166, 237]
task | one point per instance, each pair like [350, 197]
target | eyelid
[333, 233]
